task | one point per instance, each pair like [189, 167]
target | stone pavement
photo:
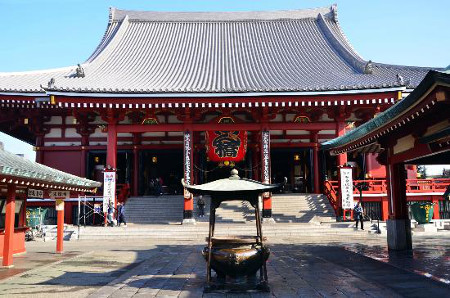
[152, 268]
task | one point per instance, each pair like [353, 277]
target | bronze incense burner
[235, 260]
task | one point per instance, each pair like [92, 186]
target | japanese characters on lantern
[226, 145]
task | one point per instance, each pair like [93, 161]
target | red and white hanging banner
[226, 145]
[346, 187]
[109, 189]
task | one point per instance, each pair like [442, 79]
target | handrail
[331, 194]
[376, 186]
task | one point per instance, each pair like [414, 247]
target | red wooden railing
[331, 194]
[425, 186]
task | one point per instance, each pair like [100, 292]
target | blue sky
[50, 33]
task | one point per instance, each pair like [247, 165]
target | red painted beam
[226, 100]
[220, 126]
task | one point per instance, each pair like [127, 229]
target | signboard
[187, 154]
[226, 145]
[59, 206]
[35, 193]
[98, 208]
[59, 194]
[346, 188]
[109, 189]
[265, 140]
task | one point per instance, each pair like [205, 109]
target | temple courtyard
[358, 265]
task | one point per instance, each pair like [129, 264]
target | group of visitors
[155, 186]
[120, 215]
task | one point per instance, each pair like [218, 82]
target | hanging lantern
[226, 145]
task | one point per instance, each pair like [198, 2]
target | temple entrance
[96, 162]
[296, 165]
[160, 172]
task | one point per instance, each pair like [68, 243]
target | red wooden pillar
[385, 209]
[8, 245]
[136, 142]
[265, 174]
[436, 214]
[111, 148]
[60, 225]
[315, 141]
[398, 224]
[188, 211]
[340, 130]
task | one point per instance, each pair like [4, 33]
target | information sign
[346, 188]
[109, 189]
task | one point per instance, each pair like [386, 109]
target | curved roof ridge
[341, 32]
[349, 56]
[38, 71]
[110, 30]
[170, 16]
[411, 67]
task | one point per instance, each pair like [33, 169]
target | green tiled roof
[388, 116]
[17, 167]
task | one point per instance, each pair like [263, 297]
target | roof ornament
[51, 83]
[400, 79]
[79, 72]
[368, 68]
[334, 12]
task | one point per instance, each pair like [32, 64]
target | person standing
[358, 212]
[201, 206]
[110, 214]
[121, 215]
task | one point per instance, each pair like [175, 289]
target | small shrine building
[278, 83]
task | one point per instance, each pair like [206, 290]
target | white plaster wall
[55, 120]
[153, 134]
[98, 134]
[175, 133]
[173, 119]
[297, 132]
[72, 133]
[54, 133]
[62, 144]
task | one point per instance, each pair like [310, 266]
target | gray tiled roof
[220, 52]
[17, 167]
[387, 120]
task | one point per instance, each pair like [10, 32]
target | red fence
[432, 189]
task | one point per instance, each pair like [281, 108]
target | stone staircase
[287, 208]
[279, 231]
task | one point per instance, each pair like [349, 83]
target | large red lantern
[226, 145]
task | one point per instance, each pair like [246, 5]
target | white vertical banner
[187, 161]
[109, 189]
[266, 156]
[346, 188]
[265, 144]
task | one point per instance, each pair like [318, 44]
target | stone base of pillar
[188, 221]
[399, 234]
[268, 220]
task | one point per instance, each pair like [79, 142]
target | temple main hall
[172, 95]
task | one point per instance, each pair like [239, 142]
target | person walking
[201, 206]
[121, 215]
[358, 212]
[110, 214]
